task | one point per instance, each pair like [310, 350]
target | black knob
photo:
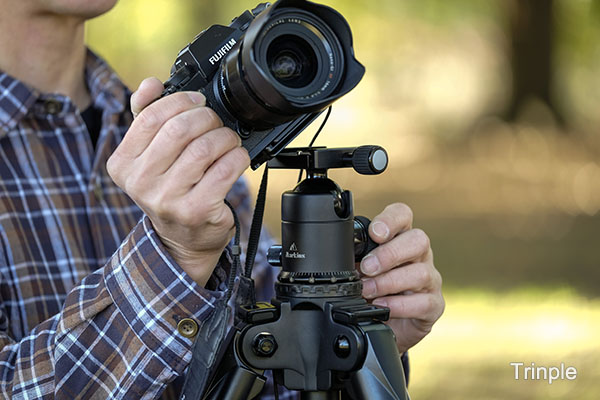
[264, 344]
[369, 160]
[363, 244]
[274, 255]
[342, 347]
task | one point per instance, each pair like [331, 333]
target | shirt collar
[16, 98]
[106, 89]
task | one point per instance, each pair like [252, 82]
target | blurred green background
[489, 111]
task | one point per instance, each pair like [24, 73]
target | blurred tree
[201, 14]
[531, 54]
[596, 8]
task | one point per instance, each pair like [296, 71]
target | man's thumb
[148, 91]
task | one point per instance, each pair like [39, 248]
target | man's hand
[178, 162]
[400, 274]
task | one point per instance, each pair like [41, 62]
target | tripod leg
[325, 395]
[238, 384]
[382, 375]
[233, 380]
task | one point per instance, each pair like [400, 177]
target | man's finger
[421, 306]
[394, 219]
[177, 133]
[411, 245]
[148, 91]
[200, 154]
[222, 174]
[152, 118]
[414, 277]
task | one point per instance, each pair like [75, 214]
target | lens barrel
[295, 58]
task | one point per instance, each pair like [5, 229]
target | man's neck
[45, 51]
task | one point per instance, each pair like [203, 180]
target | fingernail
[380, 229]
[133, 104]
[380, 302]
[370, 264]
[368, 288]
[197, 97]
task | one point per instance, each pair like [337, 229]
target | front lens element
[292, 61]
[301, 56]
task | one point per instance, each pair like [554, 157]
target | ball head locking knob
[369, 160]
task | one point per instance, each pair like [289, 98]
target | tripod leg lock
[354, 314]
[259, 313]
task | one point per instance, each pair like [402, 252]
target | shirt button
[187, 327]
[52, 106]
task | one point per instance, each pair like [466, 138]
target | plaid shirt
[89, 297]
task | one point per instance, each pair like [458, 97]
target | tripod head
[318, 335]
[366, 160]
[321, 240]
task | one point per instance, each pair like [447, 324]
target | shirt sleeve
[116, 336]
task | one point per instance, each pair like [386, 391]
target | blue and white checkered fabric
[89, 297]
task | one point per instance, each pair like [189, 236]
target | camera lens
[292, 61]
[302, 56]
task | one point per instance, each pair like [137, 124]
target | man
[101, 296]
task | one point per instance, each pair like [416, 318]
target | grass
[468, 354]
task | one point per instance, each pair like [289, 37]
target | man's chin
[85, 9]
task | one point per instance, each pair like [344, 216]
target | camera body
[271, 72]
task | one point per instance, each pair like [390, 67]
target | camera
[271, 72]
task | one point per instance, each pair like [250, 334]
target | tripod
[318, 335]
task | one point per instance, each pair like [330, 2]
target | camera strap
[256, 227]
[246, 294]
